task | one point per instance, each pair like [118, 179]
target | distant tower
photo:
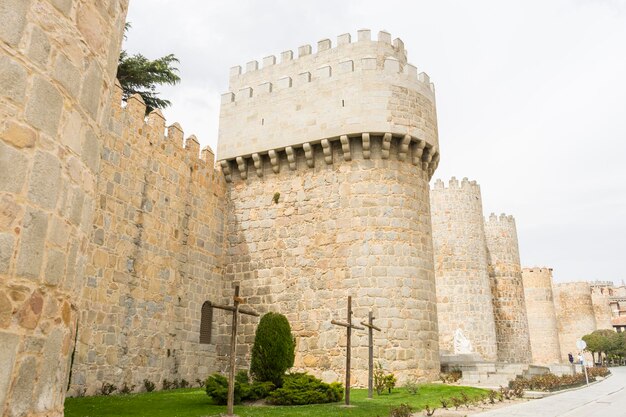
[542, 321]
[507, 289]
[464, 299]
[575, 315]
[328, 157]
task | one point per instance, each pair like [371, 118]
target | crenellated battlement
[129, 121]
[536, 269]
[365, 87]
[296, 66]
[453, 184]
[502, 219]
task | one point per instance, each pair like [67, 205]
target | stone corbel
[345, 147]
[291, 157]
[308, 153]
[418, 152]
[258, 164]
[226, 171]
[365, 137]
[386, 145]
[242, 166]
[404, 147]
[328, 151]
[274, 161]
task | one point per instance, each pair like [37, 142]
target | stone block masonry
[508, 290]
[156, 255]
[50, 133]
[575, 314]
[464, 299]
[542, 320]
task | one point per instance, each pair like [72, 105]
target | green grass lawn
[193, 402]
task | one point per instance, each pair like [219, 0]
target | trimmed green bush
[273, 352]
[302, 388]
[217, 388]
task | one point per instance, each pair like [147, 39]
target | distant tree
[273, 351]
[140, 75]
[604, 341]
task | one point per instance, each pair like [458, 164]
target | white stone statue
[462, 345]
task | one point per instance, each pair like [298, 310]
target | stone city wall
[542, 321]
[156, 254]
[464, 299]
[508, 290]
[57, 65]
[575, 314]
[303, 240]
[601, 300]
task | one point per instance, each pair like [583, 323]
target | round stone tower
[508, 290]
[600, 297]
[575, 315]
[328, 158]
[542, 322]
[464, 298]
[58, 61]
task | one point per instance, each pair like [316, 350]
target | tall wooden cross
[349, 326]
[233, 345]
[370, 330]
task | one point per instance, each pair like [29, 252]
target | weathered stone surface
[8, 352]
[12, 78]
[30, 312]
[39, 48]
[30, 252]
[64, 6]
[92, 86]
[43, 188]
[55, 267]
[67, 75]
[575, 315]
[13, 18]
[19, 135]
[9, 211]
[50, 373]
[21, 399]
[14, 168]
[6, 250]
[44, 107]
[91, 150]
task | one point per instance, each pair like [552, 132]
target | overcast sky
[531, 99]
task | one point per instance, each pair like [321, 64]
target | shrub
[403, 410]
[549, 382]
[149, 385]
[451, 377]
[107, 389]
[199, 382]
[429, 411]
[411, 386]
[184, 383]
[444, 403]
[167, 384]
[126, 389]
[383, 381]
[598, 371]
[302, 388]
[273, 351]
[217, 388]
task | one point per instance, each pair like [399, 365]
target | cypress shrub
[273, 352]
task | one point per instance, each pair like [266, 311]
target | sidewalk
[604, 399]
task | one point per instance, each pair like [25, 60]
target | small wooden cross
[349, 326]
[370, 330]
[233, 345]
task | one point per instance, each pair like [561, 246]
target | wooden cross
[233, 344]
[349, 326]
[370, 330]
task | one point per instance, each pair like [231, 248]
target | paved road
[604, 399]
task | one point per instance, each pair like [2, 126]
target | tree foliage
[273, 352]
[140, 75]
[607, 342]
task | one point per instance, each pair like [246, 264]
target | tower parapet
[464, 299]
[355, 91]
[542, 321]
[507, 289]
